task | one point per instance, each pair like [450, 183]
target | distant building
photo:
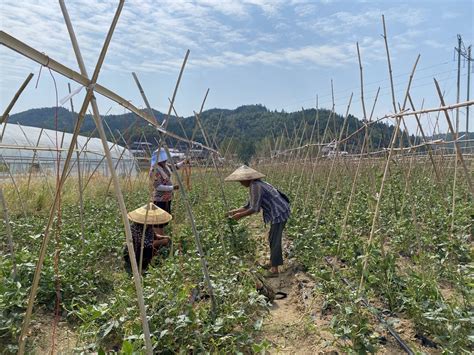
[141, 149]
[198, 154]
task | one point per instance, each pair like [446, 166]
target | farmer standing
[160, 175]
[274, 204]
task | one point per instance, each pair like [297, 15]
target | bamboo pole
[189, 211]
[48, 62]
[218, 172]
[187, 171]
[8, 231]
[115, 141]
[17, 190]
[118, 191]
[364, 143]
[44, 244]
[430, 153]
[318, 156]
[389, 158]
[33, 160]
[79, 176]
[311, 137]
[456, 143]
[334, 160]
[354, 181]
[12, 103]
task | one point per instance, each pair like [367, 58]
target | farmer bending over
[152, 241]
[275, 206]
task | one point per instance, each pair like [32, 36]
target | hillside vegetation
[249, 128]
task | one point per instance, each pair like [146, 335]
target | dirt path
[296, 324]
[41, 331]
[293, 325]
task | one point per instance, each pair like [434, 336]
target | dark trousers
[274, 237]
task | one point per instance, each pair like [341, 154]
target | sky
[283, 54]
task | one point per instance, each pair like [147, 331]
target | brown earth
[296, 324]
[41, 331]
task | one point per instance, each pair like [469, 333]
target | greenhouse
[26, 149]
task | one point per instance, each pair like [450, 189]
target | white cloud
[344, 22]
[305, 9]
[323, 55]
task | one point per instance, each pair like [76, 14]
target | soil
[297, 325]
[293, 325]
[41, 331]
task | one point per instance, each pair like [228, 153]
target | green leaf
[127, 348]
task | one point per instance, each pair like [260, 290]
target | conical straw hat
[155, 215]
[244, 173]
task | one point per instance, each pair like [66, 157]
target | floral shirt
[161, 177]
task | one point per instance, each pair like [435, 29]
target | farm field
[357, 114]
[343, 272]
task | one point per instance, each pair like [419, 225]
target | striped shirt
[265, 197]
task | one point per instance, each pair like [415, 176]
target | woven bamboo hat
[244, 173]
[155, 215]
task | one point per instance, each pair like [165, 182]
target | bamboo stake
[82, 150]
[389, 158]
[17, 190]
[307, 153]
[33, 160]
[456, 144]
[8, 231]
[12, 103]
[87, 99]
[430, 153]
[328, 181]
[79, 176]
[120, 156]
[318, 156]
[354, 182]
[99, 164]
[187, 172]
[118, 191]
[48, 62]
[189, 211]
[218, 172]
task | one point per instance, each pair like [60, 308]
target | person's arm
[159, 186]
[164, 188]
[237, 210]
[254, 204]
[181, 164]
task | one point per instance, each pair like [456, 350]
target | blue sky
[277, 53]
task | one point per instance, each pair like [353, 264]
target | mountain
[246, 130]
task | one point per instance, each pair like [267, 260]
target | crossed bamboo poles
[91, 86]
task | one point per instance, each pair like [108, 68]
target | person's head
[149, 214]
[245, 183]
[159, 157]
[244, 175]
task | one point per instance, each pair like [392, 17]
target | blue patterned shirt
[265, 197]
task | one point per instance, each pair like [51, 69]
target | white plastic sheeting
[18, 156]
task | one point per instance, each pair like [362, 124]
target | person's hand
[176, 187]
[229, 213]
[236, 216]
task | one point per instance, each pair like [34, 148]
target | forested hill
[251, 129]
